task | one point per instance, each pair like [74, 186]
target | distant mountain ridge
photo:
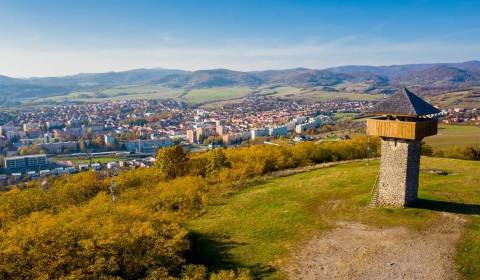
[374, 79]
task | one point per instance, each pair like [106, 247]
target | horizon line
[237, 70]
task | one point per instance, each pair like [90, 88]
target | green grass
[216, 94]
[451, 135]
[259, 226]
[280, 91]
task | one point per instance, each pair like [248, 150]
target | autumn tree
[217, 160]
[30, 150]
[172, 161]
[82, 146]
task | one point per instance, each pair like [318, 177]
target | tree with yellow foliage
[172, 161]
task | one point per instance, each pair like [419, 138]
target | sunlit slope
[260, 226]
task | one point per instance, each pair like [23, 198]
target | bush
[466, 153]
[94, 241]
[61, 193]
[231, 275]
[183, 195]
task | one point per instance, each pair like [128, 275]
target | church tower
[405, 119]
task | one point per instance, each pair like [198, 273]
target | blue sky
[44, 38]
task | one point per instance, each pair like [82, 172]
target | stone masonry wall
[399, 168]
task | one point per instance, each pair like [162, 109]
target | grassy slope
[458, 134]
[280, 91]
[215, 94]
[258, 227]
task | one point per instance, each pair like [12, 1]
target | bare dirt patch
[357, 251]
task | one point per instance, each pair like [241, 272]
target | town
[46, 141]
[38, 142]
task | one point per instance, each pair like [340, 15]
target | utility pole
[113, 184]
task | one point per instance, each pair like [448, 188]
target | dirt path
[356, 251]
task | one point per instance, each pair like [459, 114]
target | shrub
[97, 240]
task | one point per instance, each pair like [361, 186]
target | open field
[116, 93]
[264, 226]
[197, 96]
[455, 135]
[280, 91]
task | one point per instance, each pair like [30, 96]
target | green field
[280, 91]
[225, 95]
[259, 227]
[117, 93]
[455, 135]
[197, 96]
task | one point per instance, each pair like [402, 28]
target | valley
[446, 84]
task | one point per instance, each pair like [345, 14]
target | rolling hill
[424, 78]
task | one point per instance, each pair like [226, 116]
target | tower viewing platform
[405, 119]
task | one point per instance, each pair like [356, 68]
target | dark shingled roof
[404, 103]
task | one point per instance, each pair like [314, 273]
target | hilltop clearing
[357, 251]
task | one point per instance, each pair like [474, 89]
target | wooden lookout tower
[405, 119]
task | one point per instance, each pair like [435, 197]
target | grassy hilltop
[261, 226]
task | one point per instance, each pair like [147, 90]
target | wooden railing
[416, 130]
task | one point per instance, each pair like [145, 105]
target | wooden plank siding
[401, 129]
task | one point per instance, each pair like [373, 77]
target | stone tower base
[399, 169]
